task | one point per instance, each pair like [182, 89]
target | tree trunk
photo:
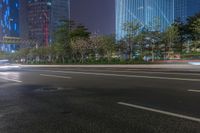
[63, 59]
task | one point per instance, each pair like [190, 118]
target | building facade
[39, 20]
[9, 22]
[44, 16]
[147, 11]
[60, 10]
[23, 19]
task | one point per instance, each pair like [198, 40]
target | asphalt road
[99, 100]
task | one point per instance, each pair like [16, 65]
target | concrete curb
[168, 66]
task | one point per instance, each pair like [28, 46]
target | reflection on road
[10, 75]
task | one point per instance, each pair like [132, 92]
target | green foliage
[131, 29]
[171, 36]
[108, 46]
[79, 32]
[73, 44]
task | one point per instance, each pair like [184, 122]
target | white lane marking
[14, 80]
[152, 72]
[194, 91]
[129, 76]
[136, 71]
[160, 111]
[166, 73]
[55, 76]
[119, 75]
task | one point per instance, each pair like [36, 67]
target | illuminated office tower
[193, 7]
[146, 11]
[9, 22]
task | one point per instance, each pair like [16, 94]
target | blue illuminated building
[146, 11]
[9, 22]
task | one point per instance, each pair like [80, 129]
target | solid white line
[152, 72]
[135, 71]
[148, 72]
[145, 72]
[55, 76]
[166, 73]
[194, 91]
[14, 80]
[160, 111]
[129, 76]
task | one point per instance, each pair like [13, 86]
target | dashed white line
[13, 80]
[55, 76]
[198, 91]
[160, 111]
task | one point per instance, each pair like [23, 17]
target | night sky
[97, 15]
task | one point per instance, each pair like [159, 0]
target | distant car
[7, 65]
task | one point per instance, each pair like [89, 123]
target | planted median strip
[160, 111]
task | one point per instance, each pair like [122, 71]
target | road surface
[99, 100]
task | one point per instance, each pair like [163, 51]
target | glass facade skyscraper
[60, 10]
[9, 21]
[146, 11]
[44, 16]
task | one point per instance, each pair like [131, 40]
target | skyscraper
[146, 11]
[44, 16]
[60, 10]
[193, 7]
[39, 20]
[9, 21]
[23, 19]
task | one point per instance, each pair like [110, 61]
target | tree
[140, 39]
[170, 37]
[96, 44]
[131, 29]
[153, 37]
[68, 32]
[62, 40]
[80, 46]
[195, 27]
[79, 31]
[23, 54]
[108, 46]
[182, 38]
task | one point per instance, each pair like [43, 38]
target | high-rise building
[60, 10]
[39, 20]
[146, 11]
[44, 16]
[186, 8]
[9, 22]
[23, 19]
